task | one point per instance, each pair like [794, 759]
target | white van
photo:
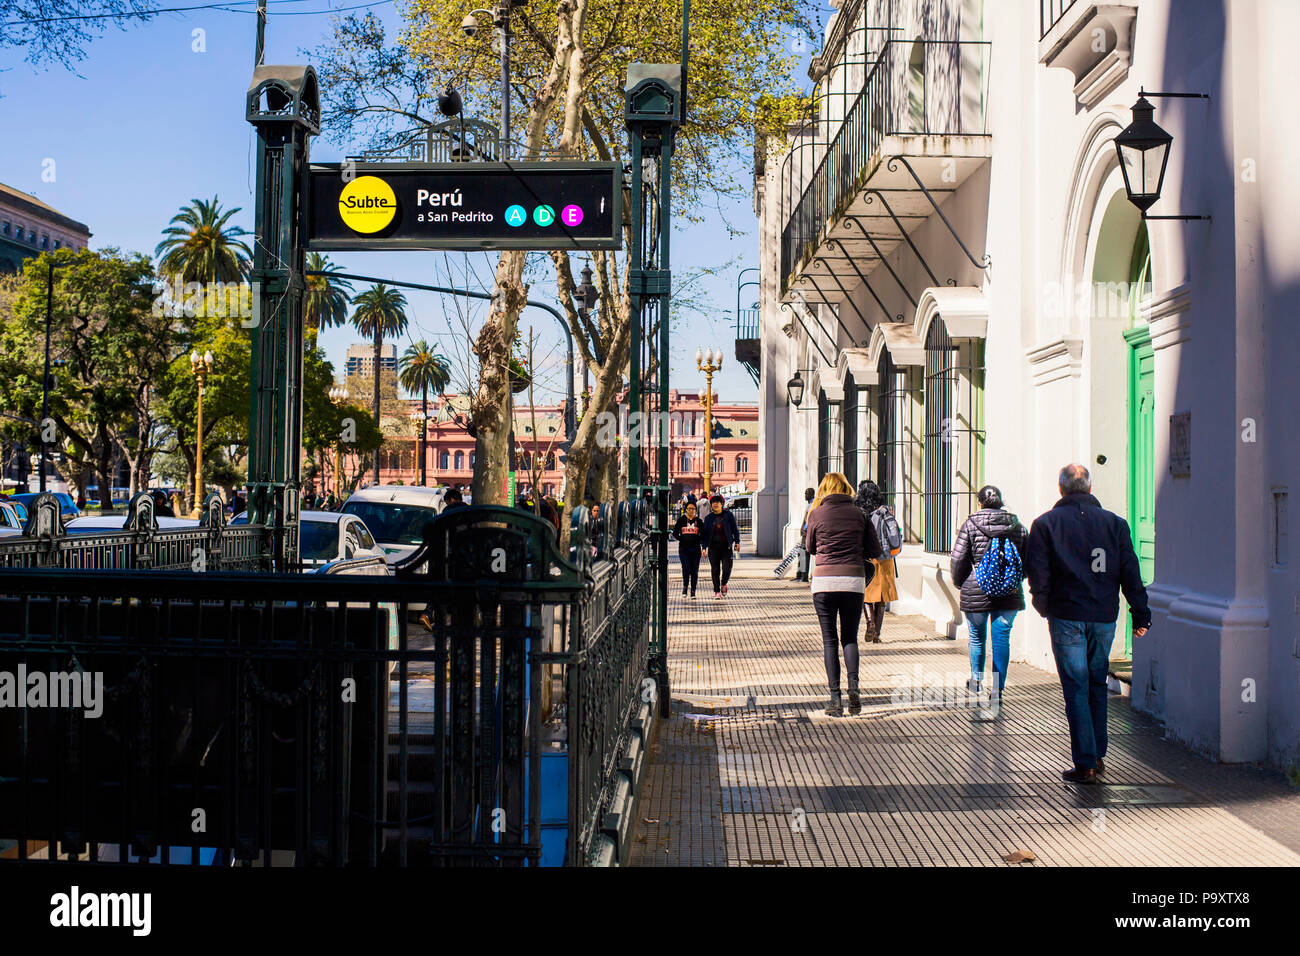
[396, 515]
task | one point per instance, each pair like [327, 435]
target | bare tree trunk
[490, 404]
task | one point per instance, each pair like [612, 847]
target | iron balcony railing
[747, 324]
[1050, 13]
[920, 87]
[311, 719]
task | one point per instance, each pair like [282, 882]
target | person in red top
[687, 532]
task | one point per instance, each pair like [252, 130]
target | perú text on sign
[464, 206]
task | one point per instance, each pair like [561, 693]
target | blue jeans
[1082, 652]
[977, 624]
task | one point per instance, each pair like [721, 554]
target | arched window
[443, 458]
[460, 461]
[472, 456]
[717, 464]
[686, 461]
[742, 464]
[550, 462]
[525, 461]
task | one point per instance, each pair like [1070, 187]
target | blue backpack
[999, 572]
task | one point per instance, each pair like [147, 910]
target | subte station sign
[464, 206]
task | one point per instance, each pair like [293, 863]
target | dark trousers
[720, 564]
[690, 558]
[842, 608]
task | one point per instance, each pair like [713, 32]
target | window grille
[954, 434]
[897, 445]
[829, 456]
[851, 413]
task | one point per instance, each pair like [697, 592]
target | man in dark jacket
[1078, 558]
[719, 534]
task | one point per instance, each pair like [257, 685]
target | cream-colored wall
[1222, 314]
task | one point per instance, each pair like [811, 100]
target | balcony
[908, 139]
[747, 353]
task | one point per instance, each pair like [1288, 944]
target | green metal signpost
[654, 110]
[283, 105]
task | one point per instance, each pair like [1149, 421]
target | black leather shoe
[1076, 775]
[835, 708]
[855, 703]
[1101, 766]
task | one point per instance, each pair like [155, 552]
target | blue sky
[146, 123]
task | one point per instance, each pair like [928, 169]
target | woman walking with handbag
[842, 543]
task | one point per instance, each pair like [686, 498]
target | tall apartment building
[361, 359]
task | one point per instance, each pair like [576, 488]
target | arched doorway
[1121, 369]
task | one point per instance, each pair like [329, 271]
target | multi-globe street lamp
[338, 395]
[424, 426]
[707, 363]
[200, 365]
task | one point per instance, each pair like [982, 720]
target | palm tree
[198, 246]
[421, 369]
[325, 302]
[379, 311]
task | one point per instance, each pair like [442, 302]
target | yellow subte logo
[367, 204]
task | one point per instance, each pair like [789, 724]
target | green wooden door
[1141, 459]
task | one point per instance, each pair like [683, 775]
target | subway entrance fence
[233, 718]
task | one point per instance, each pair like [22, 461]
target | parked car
[396, 515]
[325, 536]
[738, 502]
[9, 516]
[67, 507]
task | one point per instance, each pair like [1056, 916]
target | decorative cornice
[1062, 358]
[963, 309]
[1168, 314]
[901, 341]
[857, 362]
[1071, 45]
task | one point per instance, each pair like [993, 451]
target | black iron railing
[920, 87]
[747, 324]
[1050, 13]
[135, 542]
[310, 719]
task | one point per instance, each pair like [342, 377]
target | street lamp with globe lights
[200, 365]
[708, 363]
[338, 395]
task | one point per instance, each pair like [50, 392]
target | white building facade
[952, 270]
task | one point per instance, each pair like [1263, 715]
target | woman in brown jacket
[842, 542]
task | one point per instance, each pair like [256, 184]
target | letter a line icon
[516, 215]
